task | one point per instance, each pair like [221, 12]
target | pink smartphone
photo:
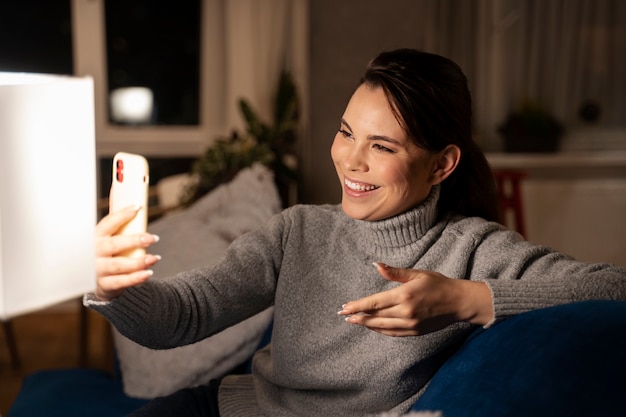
[129, 187]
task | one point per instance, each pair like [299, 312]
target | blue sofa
[567, 360]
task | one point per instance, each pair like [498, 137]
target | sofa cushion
[568, 360]
[72, 393]
[194, 237]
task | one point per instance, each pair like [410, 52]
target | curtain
[263, 37]
[568, 55]
[576, 52]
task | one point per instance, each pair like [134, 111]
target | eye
[345, 133]
[382, 148]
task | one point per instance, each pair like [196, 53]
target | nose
[355, 159]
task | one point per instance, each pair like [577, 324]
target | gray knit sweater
[307, 262]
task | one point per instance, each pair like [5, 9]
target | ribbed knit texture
[308, 261]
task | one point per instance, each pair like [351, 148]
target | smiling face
[382, 172]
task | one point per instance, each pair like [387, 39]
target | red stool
[509, 191]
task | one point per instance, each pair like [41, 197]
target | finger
[382, 322]
[111, 287]
[119, 282]
[406, 326]
[124, 265]
[394, 274]
[372, 304]
[386, 326]
[112, 245]
[112, 222]
[379, 301]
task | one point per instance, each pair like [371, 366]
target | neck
[405, 228]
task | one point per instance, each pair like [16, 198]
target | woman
[413, 250]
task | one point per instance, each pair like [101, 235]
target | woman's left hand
[426, 301]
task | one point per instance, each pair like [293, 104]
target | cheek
[397, 176]
[335, 151]
[407, 182]
[418, 183]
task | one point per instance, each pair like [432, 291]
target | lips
[359, 186]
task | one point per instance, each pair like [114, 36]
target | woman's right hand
[115, 272]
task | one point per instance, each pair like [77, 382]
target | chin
[351, 211]
[359, 214]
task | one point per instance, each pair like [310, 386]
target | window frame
[89, 53]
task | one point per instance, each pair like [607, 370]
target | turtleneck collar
[403, 229]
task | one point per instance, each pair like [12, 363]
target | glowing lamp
[47, 190]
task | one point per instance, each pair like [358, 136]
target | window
[565, 54]
[569, 55]
[46, 50]
[188, 112]
[253, 39]
[153, 45]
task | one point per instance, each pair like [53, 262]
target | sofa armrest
[568, 360]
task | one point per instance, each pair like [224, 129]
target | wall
[344, 36]
[582, 217]
[574, 201]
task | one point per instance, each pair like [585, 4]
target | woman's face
[382, 172]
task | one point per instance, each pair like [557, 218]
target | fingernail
[152, 259]
[380, 265]
[149, 238]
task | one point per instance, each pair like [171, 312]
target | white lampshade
[47, 190]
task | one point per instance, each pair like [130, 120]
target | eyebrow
[375, 137]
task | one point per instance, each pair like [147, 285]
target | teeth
[360, 187]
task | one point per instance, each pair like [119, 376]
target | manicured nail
[343, 309]
[149, 238]
[151, 259]
[157, 257]
[380, 265]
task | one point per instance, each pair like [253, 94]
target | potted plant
[269, 144]
[531, 128]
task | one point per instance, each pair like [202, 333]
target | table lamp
[47, 190]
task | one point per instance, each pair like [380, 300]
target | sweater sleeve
[523, 276]
[193, 305]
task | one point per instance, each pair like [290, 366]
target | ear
[445, 163]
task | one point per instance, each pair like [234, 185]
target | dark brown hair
[430, 96]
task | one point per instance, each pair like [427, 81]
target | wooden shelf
[594, 159]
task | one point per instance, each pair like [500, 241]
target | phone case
[129, 187]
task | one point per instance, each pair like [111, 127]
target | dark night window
[153, 52]
[36, 36]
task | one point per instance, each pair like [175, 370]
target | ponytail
[470, 190]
